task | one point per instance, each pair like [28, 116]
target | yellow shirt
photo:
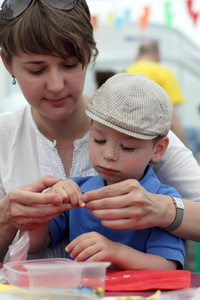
[161, 75]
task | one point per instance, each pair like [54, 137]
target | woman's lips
[58, 102]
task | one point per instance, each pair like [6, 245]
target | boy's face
[116, 156]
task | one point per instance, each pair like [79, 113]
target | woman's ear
[160, 148]
[6, 64]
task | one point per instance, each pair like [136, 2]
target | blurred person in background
[148, 63]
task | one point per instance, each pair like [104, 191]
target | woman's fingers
[43, 212]
[25, 197]
[125, 205]
[41, 184]
[116, 189]
[117, 195]
[31, 217]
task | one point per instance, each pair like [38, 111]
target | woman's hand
[27, 206]
[127, 205]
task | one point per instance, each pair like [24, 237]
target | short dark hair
[102, 76]
[149, 48]
[42, 29]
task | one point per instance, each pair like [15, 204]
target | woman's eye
[36, 72]
[70, 66]
[99, 141]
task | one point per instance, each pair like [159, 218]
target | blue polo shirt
[153, 240]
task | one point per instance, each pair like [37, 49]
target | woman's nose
[55, 82]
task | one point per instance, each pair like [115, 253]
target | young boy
[131, 116]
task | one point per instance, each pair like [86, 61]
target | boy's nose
[110, 154]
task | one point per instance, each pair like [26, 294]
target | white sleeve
[179, 168]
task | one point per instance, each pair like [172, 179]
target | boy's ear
[160, 148]
[6, 64]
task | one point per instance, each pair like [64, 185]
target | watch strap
[179, 214]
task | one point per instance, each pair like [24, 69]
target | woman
[46, 48]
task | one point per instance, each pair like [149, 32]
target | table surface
[195, 283]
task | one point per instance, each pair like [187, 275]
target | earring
[14, 80]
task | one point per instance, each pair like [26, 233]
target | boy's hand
[92, 246]
[69, 191]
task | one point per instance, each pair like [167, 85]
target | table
[195, 283]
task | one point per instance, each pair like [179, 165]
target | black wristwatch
[179, 214]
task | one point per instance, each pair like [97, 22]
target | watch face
[179, 203]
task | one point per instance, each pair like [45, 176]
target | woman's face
[51, 85]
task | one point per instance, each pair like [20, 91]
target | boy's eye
[123, 147]
[128, 149]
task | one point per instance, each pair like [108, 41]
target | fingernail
[84, 197]
[57, 200]
[68, 206]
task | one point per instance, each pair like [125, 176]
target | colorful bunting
[110, 20]
[144, 19]
[168, 14]
[117, 22]
[194, 15]
[127, 16]
[94, 21]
